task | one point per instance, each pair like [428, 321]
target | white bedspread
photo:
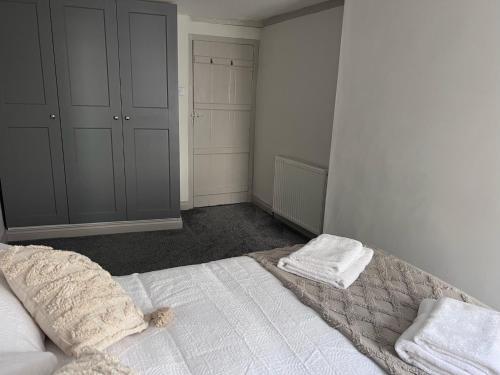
[231, 317]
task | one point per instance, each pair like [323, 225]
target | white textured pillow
[28, 363]
[95, 363]
[18, 330]
[75, 302]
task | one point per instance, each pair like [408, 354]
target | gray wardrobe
[88, 111]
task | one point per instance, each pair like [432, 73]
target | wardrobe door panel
[148, 68]
[153, 179]
[23, 74]
[148, 55]
[87, 58]
[94, 152]
[29, 185]
[31, 159]
[86, 51]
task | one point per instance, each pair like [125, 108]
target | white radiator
[299, 193]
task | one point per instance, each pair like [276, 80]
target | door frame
[209, 38]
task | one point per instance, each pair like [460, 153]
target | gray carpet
[209, 233]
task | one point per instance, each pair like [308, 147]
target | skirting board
[220, 199]
[294, 226]
[91, 229]
[262, 205]
[269, 209]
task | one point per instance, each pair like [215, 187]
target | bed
[231, 317]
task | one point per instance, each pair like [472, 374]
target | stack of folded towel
[330, 259]
[452, 337]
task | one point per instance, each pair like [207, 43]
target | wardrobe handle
[116, 118]
[211, 61]
[52, 116]
[127, 118]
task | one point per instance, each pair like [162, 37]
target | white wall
[415, 165]
[295, 93]
[185, 27]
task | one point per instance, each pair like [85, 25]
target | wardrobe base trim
[91, 229]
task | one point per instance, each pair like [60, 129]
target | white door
[223, 92]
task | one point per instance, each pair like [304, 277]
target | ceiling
[243, 10]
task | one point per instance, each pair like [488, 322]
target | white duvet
[231, 317]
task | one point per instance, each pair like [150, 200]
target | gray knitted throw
[375, 310]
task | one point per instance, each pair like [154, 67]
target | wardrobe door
[86, 51]
[31, 157]
[148, 67]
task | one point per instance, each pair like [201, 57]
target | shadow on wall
[415, 150]
[2, 225]
[296, 87]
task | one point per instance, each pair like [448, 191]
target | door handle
[127, 118]
[116, 118]
[52, 116]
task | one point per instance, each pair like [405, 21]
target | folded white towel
[452, 337]
[327, 250]
[330, 259]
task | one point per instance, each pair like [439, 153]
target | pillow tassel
[160, 318]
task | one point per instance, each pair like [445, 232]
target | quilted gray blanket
[375, 310]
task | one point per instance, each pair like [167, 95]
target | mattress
[231, 317]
